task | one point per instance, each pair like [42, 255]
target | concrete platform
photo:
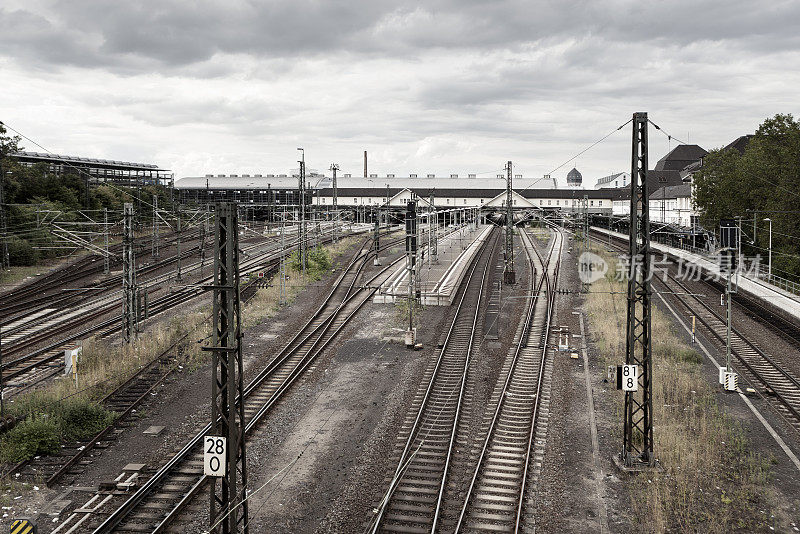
[438, 281]
[788, 303]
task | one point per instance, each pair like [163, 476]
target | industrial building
[669, 184]
[100, 170]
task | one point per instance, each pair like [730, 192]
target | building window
[448, 201]
[599, 202]
[465, 201]
[549, 202]
[591, 202]
[355, 201]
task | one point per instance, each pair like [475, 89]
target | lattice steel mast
[129, 291]
[335, 169]
[106, 259]
[637, 447]
[154, 251]
[302, 190]
[509, 276]
[228, 502]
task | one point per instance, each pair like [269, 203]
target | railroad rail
[163, 497]
[413, 501]
[759, 368]
[123, 400]
[39, 361]
[768, 376]
[168, 490]
[496, 493]
[46, 291]
[24, 333]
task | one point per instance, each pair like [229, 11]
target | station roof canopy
[44, 157]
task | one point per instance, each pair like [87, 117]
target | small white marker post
[215, 450]
[693, 328]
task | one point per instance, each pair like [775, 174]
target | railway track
[122, 401]
[762, 371]
[742, 303]
[759, 368]
[57, 318]
[163, 496]
[44, 361]
[496, 494]
[47, 291]
[413, 501]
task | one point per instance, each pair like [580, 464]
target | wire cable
[669, 136]
[609, 134]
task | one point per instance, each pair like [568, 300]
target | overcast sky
[442, 86]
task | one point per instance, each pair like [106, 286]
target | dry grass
[266, 302]
[401, 313]
[540, 232]
[17, 273]
[710, 481]
[66, 409]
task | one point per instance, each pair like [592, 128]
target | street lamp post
[769, 265]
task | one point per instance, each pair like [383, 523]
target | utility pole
[5, 260]
[155, 226]
[769, 265]
[138, 200]
[282, 301]
[303, 244]
[376, 238]
[509, 276]
[129, 290]
[387, 204]
[411, 260]
[204, 231]
[637, 447]
[178, 257]
[335, 169]
[365, 164]
[730, 233]
[433, 230]
[106, 259]
[586, 223]
[228, 493]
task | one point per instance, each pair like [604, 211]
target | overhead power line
[579, 154]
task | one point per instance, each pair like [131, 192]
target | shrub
[36, 435]
[49, 421]
[80, 419]
[319, 262]
[21, 252]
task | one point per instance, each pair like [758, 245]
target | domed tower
[574, 178]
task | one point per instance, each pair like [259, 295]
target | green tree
[763, 182]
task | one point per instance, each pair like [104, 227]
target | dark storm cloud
[176, 33]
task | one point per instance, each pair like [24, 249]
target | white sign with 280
[215, 450]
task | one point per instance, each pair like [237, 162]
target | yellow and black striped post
[23, 526]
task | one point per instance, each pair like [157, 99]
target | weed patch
[49, 421]
[710, 480]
